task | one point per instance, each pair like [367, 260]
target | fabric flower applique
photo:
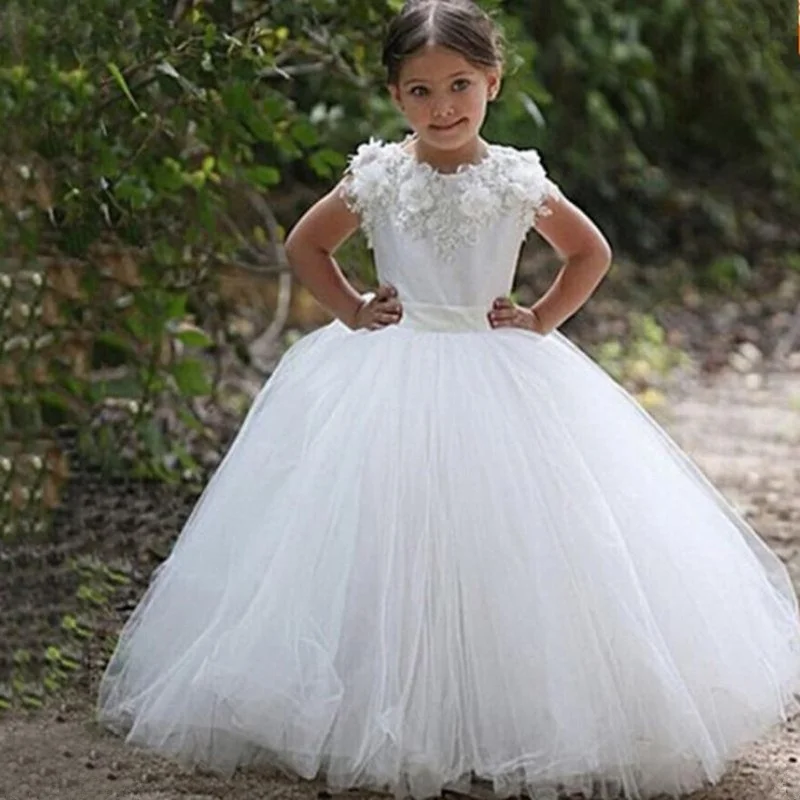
[526, 177]
[386, 185]
[478, 202]
[414, 194]
[368, 151]
[364, 174]
[367, 181]
[531, 184]
[366, 190]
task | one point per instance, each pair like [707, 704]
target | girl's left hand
[507, 314]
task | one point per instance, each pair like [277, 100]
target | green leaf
[304, 133]
[601, 111]
[135, 190]
[209, 35]
[263, 176]
[190, 420]
[164, 253]
[237, 99]
[153, 437]
[125, 387]
[176, 305]
[123, 84]
[194, 337]
[169, 176]
[261, 128]
[326, 162]
[190, 376]
[184, 457]
[52, 654]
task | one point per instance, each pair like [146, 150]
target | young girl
[444, 544]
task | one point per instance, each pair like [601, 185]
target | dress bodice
[446, 238]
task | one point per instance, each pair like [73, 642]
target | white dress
[440, 550]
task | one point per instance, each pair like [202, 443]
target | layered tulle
[429, 555]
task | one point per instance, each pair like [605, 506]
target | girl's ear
[394, 91]
[493, 81]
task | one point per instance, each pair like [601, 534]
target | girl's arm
[310, 247]
[586, 254]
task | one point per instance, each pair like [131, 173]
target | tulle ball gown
[440, 551]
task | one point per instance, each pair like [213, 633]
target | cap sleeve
[367, 185]
[364, 176]
[533, 186]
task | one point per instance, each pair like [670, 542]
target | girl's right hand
[380, 310]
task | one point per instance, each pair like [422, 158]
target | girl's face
[443, 96]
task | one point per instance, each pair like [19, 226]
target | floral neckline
[388, 185]
[467, 168]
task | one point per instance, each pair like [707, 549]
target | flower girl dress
[440, 550]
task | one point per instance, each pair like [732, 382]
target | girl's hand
[381, 310]
[507, 314]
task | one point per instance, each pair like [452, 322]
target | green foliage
[672, 121]
[642, 359]
[131, 134]
[675, 124]
[727, 271]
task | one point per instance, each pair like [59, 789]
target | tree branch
[299, 69]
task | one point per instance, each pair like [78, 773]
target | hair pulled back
[459, 25]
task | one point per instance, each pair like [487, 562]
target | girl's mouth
[448, 127]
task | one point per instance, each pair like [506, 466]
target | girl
[445, 544]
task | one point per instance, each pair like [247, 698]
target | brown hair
[459, 25]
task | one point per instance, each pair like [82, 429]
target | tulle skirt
[437, 552]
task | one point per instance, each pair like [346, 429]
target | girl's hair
[456, 24]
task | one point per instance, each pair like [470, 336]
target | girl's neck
[449, 160]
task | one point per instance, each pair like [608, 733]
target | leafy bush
[138, 143]
[676, 123]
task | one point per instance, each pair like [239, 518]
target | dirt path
[744, 434]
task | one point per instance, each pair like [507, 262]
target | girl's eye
[461, 84]
[418, 91]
